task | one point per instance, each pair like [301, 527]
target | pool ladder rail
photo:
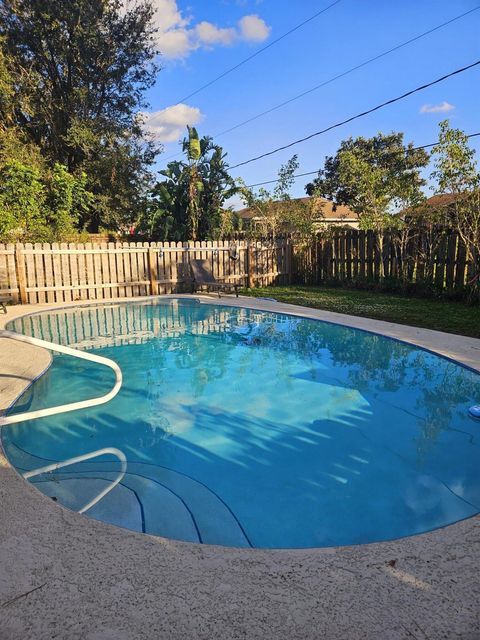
[72, 406]
[87, 456]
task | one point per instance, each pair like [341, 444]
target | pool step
[120, 507]
[150, 498]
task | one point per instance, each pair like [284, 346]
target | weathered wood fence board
[8, 272]
[433, 259]
[67, 272]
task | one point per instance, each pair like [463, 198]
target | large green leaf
[194, 148]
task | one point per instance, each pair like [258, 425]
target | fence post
[21, 273]
[289, 256]
[249, 265]
[152, 271]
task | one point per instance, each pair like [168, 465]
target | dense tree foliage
[189, 204]
[38, 201]
[75, 156]
[79, 71]
[456, 173]
[377, 178]
[275, 212]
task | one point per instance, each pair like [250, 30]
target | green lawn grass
[442, 315]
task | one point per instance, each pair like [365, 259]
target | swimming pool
[248, 428]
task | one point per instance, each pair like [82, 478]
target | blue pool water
[247, 428]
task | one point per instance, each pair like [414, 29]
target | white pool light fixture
[475, 411]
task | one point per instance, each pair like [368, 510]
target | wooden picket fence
[433, 260]
[40, 273]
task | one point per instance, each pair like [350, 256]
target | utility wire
[346, 73]
[359, 115]
[338, 76]
[311, 173]
[259, 51]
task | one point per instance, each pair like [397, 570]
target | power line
[254, 55]
[345, 73]
[338, 76]
[298, 175]
[311, 173]
[259, 51]
[359, 115]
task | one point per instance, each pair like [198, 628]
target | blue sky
[201, 39]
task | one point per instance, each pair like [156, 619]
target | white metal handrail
[72, 406]
[87, 456]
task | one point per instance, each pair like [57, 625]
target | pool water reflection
[249, 428]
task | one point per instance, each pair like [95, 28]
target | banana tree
[189, 203]
[218, 187]
[166, 214]
[195, 149]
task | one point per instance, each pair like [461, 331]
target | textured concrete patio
[65, 576]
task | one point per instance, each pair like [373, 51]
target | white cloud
[177, 36]
[175, 43]
[209, 34]
[444, 107]
[168, 15]
[168, 124]
[173, 36]
[254, 28]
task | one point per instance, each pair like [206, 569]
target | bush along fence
[39, 273]
[428, 262]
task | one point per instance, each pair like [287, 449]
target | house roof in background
[327, 208]
[442, 199]
[434, 203]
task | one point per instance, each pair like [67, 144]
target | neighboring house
[324, 212]
[436, 210]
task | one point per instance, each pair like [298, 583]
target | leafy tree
[120, 179]
[456, 173]
[166, 215]
[228, 224]
[13, 142]
[21, 167]
[195, 150]
[190, 202]
[67, 200]
[22, 200]
[376, 177]
[80, 71]
[36, 206]
[217, 188]
[275, 211]
[7, 89]
[36, 203]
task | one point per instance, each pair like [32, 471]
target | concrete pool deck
[65, 576]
